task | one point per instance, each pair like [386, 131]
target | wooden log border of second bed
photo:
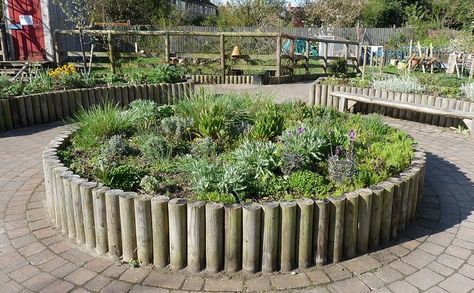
[198, 236]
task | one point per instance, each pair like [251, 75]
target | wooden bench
[348, 100]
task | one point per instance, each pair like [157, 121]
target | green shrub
[306, 142]
[144, 113]
[269, 123]
[150, 184]
[174, 129]
[260, 158]
[164, 74]
[405, 84]
[156, 148]
[308, 184]
[40, 83]
[338, 67]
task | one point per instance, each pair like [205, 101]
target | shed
[29, 28]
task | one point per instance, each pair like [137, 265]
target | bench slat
[405, 106]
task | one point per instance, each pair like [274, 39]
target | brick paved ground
[435, 255]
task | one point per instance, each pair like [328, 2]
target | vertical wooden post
[278, 56]
[160, 226]
[113, 222]
[305, 228]
[178, 240]
[350, 224]
[325, 56]
[77, 209]
[88, 212]
[100, 220]
[143, 229]
[214, 237]
[336, 228]
[127, 225]
[196, 236]
[251, 249]
[346, 51]
[167, 48]
[271, 227]
[321, 232]
[363, 229]
[110, 47]
[288, 236]
[307, 56]
[233, 237]
[57, 53]
[222, 49]
[376, 216]
[364, 62]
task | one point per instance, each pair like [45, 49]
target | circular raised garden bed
[263, 235]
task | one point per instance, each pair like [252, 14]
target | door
[26, 28]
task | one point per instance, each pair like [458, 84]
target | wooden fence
[277, 61]
[35, 109]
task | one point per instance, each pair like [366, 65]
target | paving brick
[457, 283]
[337, 272]
[164, 280]
[440, 268]
[424, 279]
[318, 277]
[97, 283]
[147, 289]
[419, 258]
[39, 281]
[388, 274]
[98, 264]
[372, 281]
[135, 275]
[259, 284]
[459, 252]
[24, 273]
[58, 286]
[117, 287]
[362, 264]
[403, 267]
[223, 285]
[402, 286]
[353, 285]
[194, 284]
[432, 248]
[115, 271]
[80, 276]
[450, 261]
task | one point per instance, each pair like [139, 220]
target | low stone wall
[320, 94]
[53, 106]
[196, 235]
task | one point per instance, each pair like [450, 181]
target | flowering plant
[66, 69]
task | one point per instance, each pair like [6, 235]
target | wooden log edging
[228, 79]
[199, 236]
[320, 95]
[47, 107]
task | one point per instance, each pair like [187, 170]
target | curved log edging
[267, 236]
[228, 79]
[47, 107]
[320, 95]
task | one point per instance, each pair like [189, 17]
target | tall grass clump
[468, 90]
[101, 122]
[402, 84]
[217, 115]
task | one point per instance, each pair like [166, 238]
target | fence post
[307, 56]
[167, 48]
[278, 56]
[56, 48]
[110, 51]
[325, 56]
[222, 44]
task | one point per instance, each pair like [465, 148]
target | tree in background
[252, 13]
[335, 13]
[79, 12]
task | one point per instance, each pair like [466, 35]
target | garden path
[434, 255]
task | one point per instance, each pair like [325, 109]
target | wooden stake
[233, 237]
[214, 237]
[251, 237]
[160, 226]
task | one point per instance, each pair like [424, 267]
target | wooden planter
[196, 235]
[47, 107]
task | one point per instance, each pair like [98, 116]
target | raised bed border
[47, 107]
[278, 236]
[320, 95]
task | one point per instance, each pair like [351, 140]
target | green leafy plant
[269, 123]
[259, 157]
[164, 74]
[150, 184]
[338, 67]
[308, 184]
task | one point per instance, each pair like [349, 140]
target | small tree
[79, 12]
